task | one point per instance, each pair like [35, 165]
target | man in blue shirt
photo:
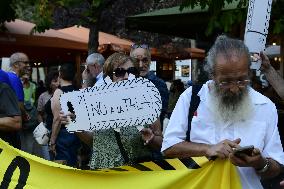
[4, 78]
[18, 64]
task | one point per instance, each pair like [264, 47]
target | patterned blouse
[106, 152]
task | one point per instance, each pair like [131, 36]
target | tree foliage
[41, 13]
[7, 13]
[225, 20]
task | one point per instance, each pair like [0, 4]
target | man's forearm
[187, 149]
[10, 123]
[275, 80]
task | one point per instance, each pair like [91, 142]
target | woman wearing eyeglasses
[112, 148]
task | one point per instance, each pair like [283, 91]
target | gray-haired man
[93, 72]
[230, 114]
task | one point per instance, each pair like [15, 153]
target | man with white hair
[230, 114]
[93, 72]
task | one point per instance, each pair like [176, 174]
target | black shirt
[47, 107]
[8, 108]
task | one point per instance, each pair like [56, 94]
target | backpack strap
[194, 103]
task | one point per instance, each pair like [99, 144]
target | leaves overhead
[225, 20]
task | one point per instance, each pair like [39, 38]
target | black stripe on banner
[164, 165]
[118, 169]
[190, 163]
[141, 167]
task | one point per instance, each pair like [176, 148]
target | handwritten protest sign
[257, 24]
[113, 105]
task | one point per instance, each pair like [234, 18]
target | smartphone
[243, 150]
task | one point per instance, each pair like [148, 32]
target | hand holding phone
[243, 150]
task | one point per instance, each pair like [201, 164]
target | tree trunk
[93, 43]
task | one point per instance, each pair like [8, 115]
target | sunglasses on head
[120, 72]
[143, 46]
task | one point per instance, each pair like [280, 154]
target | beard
[227, 106]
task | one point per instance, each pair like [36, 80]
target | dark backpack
[194, 103]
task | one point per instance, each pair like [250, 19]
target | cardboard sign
[120, 104]
[257, 24]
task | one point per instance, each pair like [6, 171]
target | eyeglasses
[143, 46]
[240, 83]
[144, 60]
[120, 72]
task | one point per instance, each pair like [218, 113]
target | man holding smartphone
[230, 115]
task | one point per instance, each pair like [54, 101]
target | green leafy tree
[225, 20]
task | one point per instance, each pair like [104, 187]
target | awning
[116, 44]
[48, 47]
[188, 23]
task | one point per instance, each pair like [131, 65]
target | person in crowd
[230, 114]
[40, 89]
[10, 116]
[109, 145]
[18, 63]
[51, 83]
[273, 77]
[28, 143]
[29, 89]
[4, 77]
[63, 145]
[176, 90]
[143, 54]
[93, 72]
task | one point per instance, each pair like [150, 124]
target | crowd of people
[207, 120]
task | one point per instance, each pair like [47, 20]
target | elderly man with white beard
[230, 114]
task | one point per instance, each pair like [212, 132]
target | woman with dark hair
[51, 83]
[128, 146]
[63, 145]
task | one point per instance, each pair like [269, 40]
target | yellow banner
[21, 170]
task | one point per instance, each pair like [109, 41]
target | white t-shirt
[260, 130]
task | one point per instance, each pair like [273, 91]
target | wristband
[265, 168]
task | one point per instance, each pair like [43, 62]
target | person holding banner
[10, 116]
[127, 145]
[230, 114]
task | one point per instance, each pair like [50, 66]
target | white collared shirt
[260, 130]
[99, 79]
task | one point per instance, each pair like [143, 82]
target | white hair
[95, 58]
[16, 57]
[227, 47]
[230, 112]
